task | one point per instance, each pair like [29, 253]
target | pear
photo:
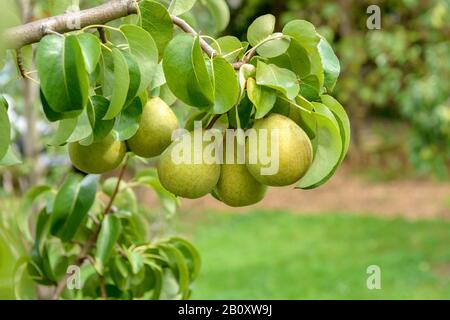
[187, 179]
[236, 186]
[154, 135]
[99, 157]
[295, 151]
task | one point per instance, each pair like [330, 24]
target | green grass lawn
[277, 255]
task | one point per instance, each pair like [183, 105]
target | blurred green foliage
[401, 71]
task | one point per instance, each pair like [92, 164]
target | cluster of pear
[153, 136]
[235, 184]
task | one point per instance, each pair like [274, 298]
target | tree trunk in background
[29, 91]
[357, 110]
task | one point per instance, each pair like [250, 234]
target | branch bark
[33, 32]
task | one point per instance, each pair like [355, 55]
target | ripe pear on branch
[295, 151]
[156, 126]
[99, 157]
[236, 186]
[188, 179]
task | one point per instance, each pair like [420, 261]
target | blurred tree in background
[400, 72]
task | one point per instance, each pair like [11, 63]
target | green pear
[99, 157]
[154, 135]
[187, 179]
[236, 186]
[295, 151]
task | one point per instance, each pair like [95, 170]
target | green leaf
[5, 127]
[136, 261]
[149, 178]
[263, 98]
[201, 72]
[329, 148]
[330, 63]
[10, 159]
[158, 79]
[121, 85]
[191, 253]
[310, 87]
[186, 73]
[307, 120]
[276, 46]
[96, 110]
[91, 50]
[220, 13]
[63, 76]
[30, 197]
[299, 59]
[72, 204]
[342, 119]
[156, 20]
[18, 275]
[127, 122]
[304, 32]
[144, 49]
[180, 268]
[54, 116]
[240, 116]
[135, 76]
[261, 29]
[82, 130]
[108, 236]
[230, 47]
[65, 129]
[226, 86]
[84, 201]
[64, 203]
[178, 7]
[277, 78]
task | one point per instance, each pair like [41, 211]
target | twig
[33, 32]
[103, 288]
[117, 188]
[183, 25]
[20, 65]
[102, 34]
[213, 121]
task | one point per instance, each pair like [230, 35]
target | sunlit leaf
[277, 78]
[186, 73]
[145, 52]
[91, 50]
[121, 85]
[226, 87]
[261, 29]
[329, 148]
[156, 20]
[330, 63]
[178, 7]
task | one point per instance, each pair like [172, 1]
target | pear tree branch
[29, 33]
